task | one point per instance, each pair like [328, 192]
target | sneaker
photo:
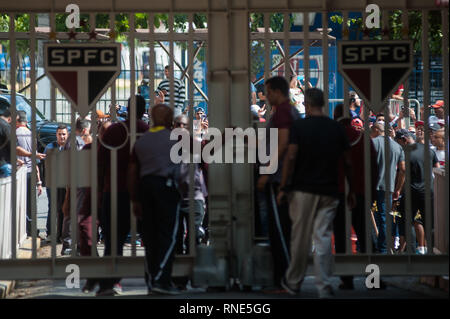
[326, 293]
[290, 290]
[165, 289]
[47, 240]
[105, 293]
[118, 288]
[66, 251]
[89, 286]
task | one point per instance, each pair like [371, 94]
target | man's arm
[283, 139]
[400, 179]
[22, 152]
[133, 180]
[39, 182]
[261, 96]
[253, 98]
[288, 169]
[133, 185]
[182, 91]
[349, 175]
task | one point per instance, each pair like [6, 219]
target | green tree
[395, 30]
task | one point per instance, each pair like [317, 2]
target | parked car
[45, 130]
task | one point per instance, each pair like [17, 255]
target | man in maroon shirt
[279, 223]
[356, 139]
[116, 136]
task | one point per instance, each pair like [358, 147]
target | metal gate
[231, 213]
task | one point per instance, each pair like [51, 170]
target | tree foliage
[395, 30]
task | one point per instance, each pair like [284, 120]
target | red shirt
[115, 136]
[357, 156]
[282, 118]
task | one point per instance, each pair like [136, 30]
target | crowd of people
[318, 155]
[301, 206]
[146, 177]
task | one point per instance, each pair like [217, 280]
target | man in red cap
[439, 109]
[420, 132]
[357, 124]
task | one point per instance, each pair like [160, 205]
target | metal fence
[6, 213]
[231, 189]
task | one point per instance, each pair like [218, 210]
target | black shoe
[327, 293]
[346, 285]
[105, 292]
[290, 290]
[89, 286]
[165, 289]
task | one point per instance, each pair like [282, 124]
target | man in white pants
[316, 144]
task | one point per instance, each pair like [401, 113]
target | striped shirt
[180, 93]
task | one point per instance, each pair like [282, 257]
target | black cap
[402, 133]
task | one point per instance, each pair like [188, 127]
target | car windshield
[22, 104]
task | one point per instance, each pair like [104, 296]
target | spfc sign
[82, 71]
[374, 68]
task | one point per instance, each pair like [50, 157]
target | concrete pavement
[398, 287]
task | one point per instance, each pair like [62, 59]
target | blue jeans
[380, 220]
[5, 170]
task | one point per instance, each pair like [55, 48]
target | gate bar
[132, 117]
[218, 7]
[171, 59]
[94, 162]
[33, 137]
[387, 168]
[287, 48]
[13, 136]
[444, 19]
[151, 61]
[192, 227]
[346, 90]
[306, 45]
[427, 158]
[397, 265]
[407, 186]
[325, 75]
[346, 114]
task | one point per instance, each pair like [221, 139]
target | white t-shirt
[297, 98]
[440, 155]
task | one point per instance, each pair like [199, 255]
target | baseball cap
[101, 115]
[438, 104]
[402, 133]
[22, 116]
[435, 127]
[357, 123]
[418, 123]
[433, 119]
